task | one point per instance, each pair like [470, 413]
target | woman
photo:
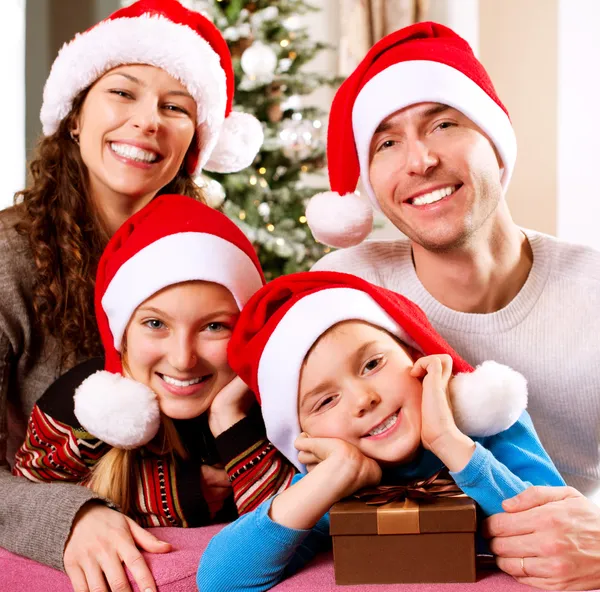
[125, 119]
[141, 432]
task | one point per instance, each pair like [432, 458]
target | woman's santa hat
[422, 63]
[173, 239]
[281, 322]
[187, 46]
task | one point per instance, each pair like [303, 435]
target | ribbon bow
[440, 484]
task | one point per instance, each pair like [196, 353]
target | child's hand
[438, 428]
[437, 420]
[230, 404]
[345, 467]
[337, 470]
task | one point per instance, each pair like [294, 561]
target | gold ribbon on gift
[398, 511]
[440, 484]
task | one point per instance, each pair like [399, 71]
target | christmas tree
[267, 200]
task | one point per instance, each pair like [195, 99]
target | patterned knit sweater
[550, 332]
[165, 489]
[36, 518]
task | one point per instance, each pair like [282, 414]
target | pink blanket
[176, 571]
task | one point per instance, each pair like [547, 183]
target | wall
[518, 46]
[578, 203]
[12, 99]
[50, 23]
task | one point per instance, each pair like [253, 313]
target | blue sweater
[255, 553]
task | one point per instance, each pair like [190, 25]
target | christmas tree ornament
[212, 190]
[298, 138]
[259, 61]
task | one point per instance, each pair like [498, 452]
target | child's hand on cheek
[344, 468]
[230, 405]
[438, 428]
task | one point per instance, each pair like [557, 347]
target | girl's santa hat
[283, 320]
[422, 63]
[173, 239]
[187, 46]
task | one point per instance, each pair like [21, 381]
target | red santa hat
[283, 320]
[186, 45]
[173, 239]
[422, 63]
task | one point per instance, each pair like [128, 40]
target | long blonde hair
[115, 475]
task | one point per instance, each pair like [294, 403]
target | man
[420, 122]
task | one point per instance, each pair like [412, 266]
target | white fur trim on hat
[176, 258]
[409, 83]
[488, 400]
[339, 221]
[152, 40]
[288, 345]
[239, 141]
[117, 410]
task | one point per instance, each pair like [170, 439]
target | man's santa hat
[422, 63]
[187, 46]
[173, 239]
[282, 321]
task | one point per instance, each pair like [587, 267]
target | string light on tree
[264, 209]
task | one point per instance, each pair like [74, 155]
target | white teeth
[176, 382]
[434, 196]
[133, 152]
[387, 424]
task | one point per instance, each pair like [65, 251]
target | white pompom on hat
[173, 239]
[283, 320]
[185, 44]
[422, 63]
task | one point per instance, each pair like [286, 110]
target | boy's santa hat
[422, 63]
[174, 239]
[187, 46]
[281, 322]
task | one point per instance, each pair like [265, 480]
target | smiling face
[435, 174]
[135, 127]
[355, 385]
[176, 344]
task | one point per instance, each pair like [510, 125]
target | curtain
[364, 22]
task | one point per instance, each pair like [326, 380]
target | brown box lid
[442, 514]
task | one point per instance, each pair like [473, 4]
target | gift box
[401, 542]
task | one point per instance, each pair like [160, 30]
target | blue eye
[213, 327]
[154, 324]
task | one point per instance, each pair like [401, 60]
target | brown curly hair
[67, 237]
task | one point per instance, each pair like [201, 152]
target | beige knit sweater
[550, 332]
[35, 519]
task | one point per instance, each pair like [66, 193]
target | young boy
[356, 388]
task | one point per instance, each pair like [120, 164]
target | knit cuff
[241, 436]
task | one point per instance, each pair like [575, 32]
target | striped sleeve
[256, 469]
[55, 451]
[257, 474]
